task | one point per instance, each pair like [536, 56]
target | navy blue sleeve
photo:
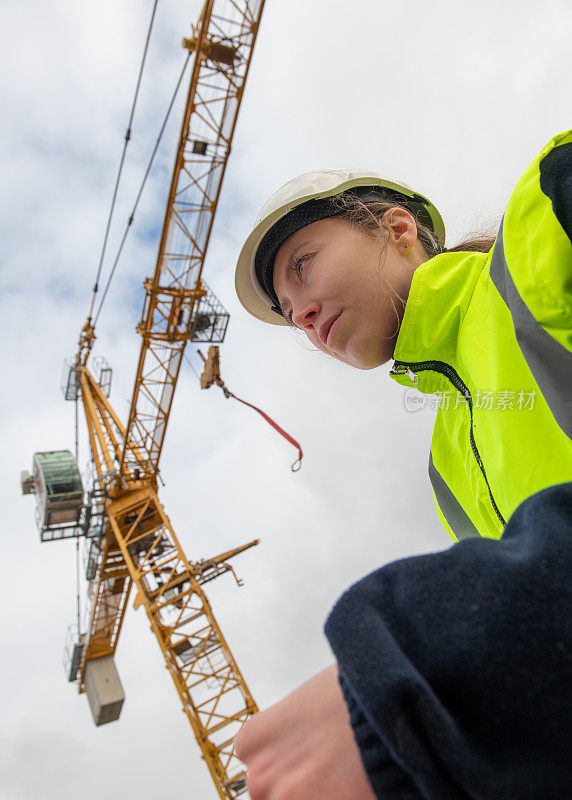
[457, 666]
[556, 183]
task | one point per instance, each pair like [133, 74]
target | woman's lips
[327, 329]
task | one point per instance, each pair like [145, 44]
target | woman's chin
[365, 359]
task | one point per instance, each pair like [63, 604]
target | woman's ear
[401, 227]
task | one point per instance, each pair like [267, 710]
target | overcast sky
[456, 98]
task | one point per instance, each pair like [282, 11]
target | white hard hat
[304, 200]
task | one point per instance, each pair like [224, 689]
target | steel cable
[120, 170]
[140, 192]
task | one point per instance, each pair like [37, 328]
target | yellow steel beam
[97, 440]
[212, 690]
[109, 601]
[223, 44]
[108, 415]
[109, 591]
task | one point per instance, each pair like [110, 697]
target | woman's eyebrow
[294, 252]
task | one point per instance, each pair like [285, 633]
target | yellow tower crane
[132, 541]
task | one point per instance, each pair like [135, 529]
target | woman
[431, 655]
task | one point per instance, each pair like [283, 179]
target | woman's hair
[476, 243]
[367, 218]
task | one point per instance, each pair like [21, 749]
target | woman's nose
[305, 314]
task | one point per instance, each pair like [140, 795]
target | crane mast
[132, 543]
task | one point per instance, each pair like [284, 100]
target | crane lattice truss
[177, 305]
[138, 545]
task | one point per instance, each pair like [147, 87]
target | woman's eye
[299, 264]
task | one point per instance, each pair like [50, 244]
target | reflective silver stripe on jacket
[548, 360]
[452, 510]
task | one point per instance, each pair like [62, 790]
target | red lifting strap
[212, 375]
[298, 463]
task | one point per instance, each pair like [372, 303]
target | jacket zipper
[409, 369]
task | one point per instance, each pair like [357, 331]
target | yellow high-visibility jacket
[491, 334]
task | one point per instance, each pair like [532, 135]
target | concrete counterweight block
[104, 690]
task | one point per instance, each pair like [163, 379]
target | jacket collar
[432, 327]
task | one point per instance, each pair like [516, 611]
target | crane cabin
[57, 485]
